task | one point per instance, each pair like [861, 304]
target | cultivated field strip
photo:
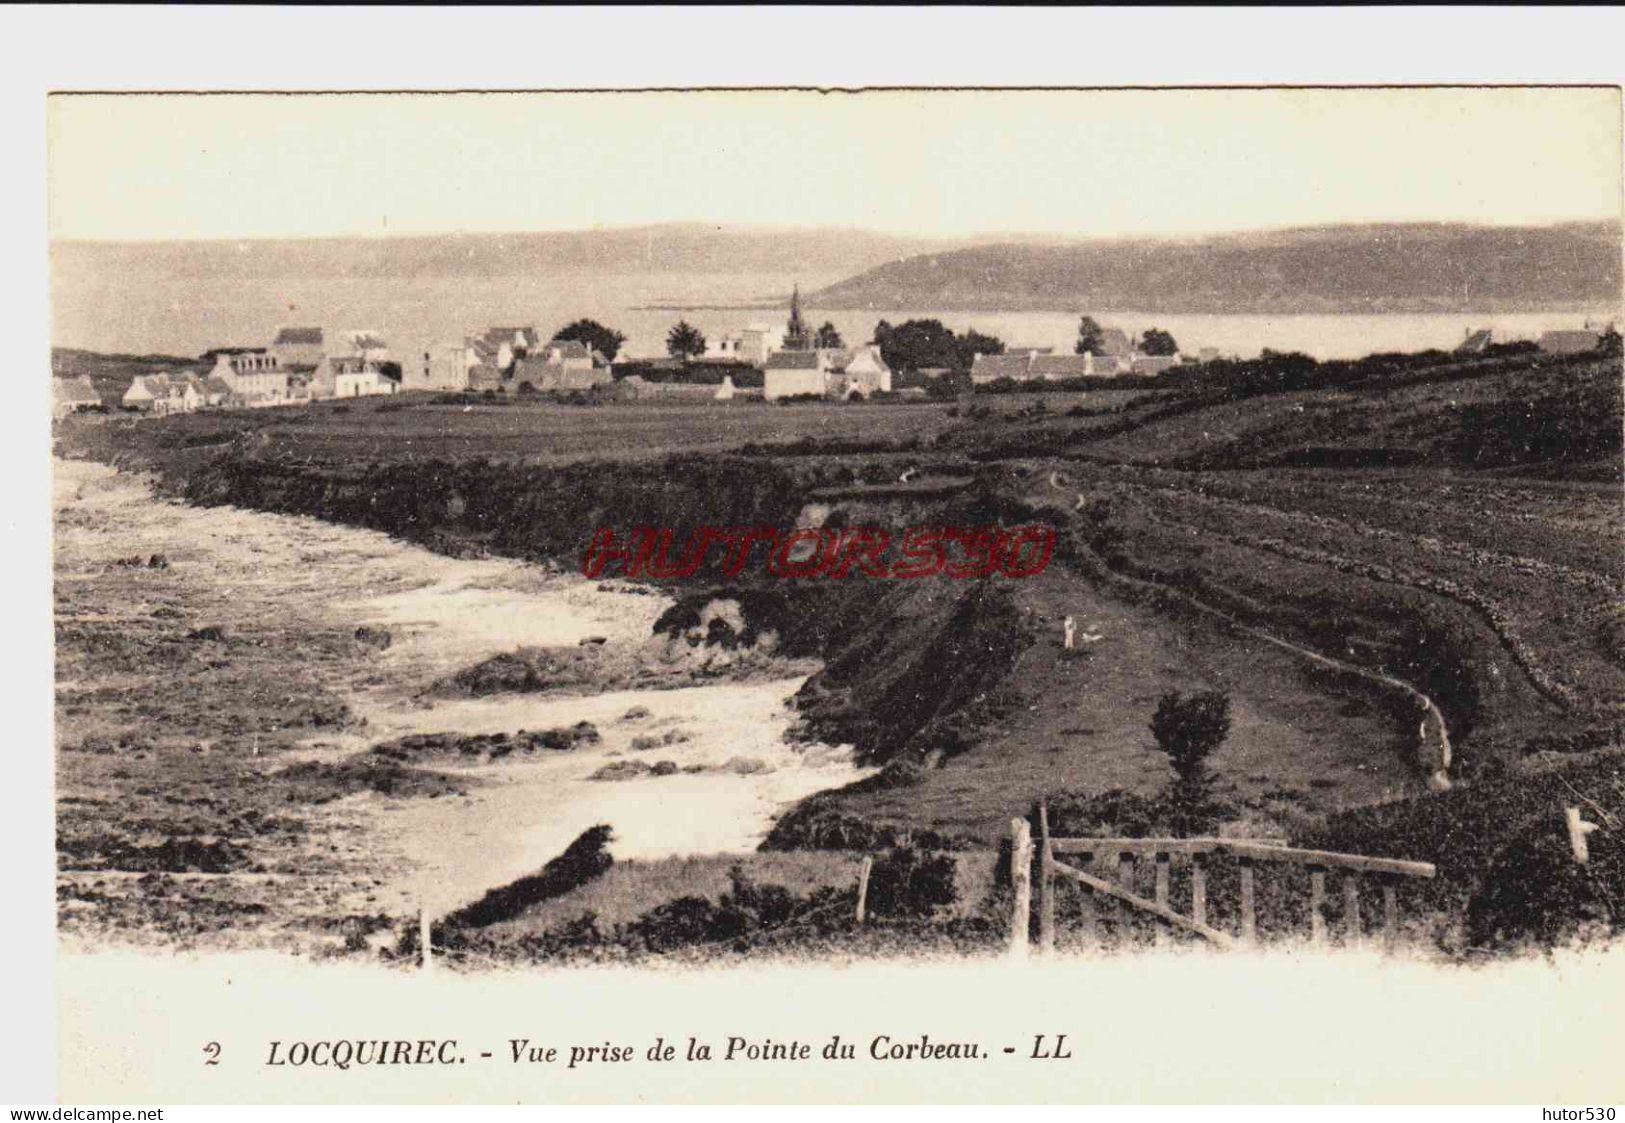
[1559, 523]
[1507, 591]
[1442, 548]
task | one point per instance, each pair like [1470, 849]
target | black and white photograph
[679, 537]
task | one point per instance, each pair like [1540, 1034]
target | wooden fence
[1105, 872]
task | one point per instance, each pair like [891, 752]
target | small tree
[1155, 341]
[684, 341]
[1091, 337]
[1188, 729]
[606, 341]
[828, 336]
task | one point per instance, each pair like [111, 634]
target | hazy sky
[1086, 163]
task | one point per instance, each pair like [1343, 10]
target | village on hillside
[916, 359]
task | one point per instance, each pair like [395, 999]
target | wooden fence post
[1353, 930]
[1161, 891]
[1578, 829]
[1046, 885]
[1086, 903]
[1249, 915]
[863, 886]
[1021, 875]
[425, 938]
[1390, 914]
[1198, 889]
[1125, 878]
[1317, 902]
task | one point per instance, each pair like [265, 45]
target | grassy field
[413, 427]
[1078, 721]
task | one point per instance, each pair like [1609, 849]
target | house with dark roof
[1152, 364]
[484, 376]
[1057, 368]
[1113, 354]
[991, 368]
[549, 370]
[502, 347]
[569, 351]
[214, 391]
[1570, 342]
[1476, 342]
[299, 348]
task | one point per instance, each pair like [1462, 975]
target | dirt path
[1433, 751]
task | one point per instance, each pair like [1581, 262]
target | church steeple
[796, 335]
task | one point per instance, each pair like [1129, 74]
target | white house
[789, 374]
[162, 394]
[439, 366]
[866, 373]
[757, 342]
[185, 394]
[726, 347]
[360, 380]
[144, 393]
[254, 374]
[349, 376]
[73, 395]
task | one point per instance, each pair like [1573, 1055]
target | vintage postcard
[882, 596]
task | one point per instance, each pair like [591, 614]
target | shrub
[683, 922]
[1188, 730]
[584, 859]
[747, 911]
[905, 882]
[1536, 894]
